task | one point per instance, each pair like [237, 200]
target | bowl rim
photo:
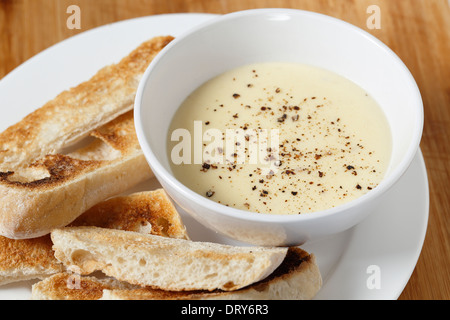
[161, 172]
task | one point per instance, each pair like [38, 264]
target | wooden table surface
[417, 30]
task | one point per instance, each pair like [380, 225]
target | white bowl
[287, 35]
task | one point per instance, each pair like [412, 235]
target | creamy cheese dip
[321, 140]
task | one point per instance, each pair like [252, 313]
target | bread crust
[41, 188]
[297, 278]
[73, 185]
[149, 212]
[77, 111]
[168, 264]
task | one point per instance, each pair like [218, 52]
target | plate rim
[425, 218]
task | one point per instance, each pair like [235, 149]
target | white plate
[373, 260]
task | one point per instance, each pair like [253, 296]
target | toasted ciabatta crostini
[297, 278]
[72, 183]
[150, 212]
[76, 112]
[164, 263]
[41, 187]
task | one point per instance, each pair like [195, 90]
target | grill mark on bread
[295, 257]
[60, 167]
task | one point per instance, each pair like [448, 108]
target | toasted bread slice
[27, 259]
[164, 263]
[297, 278]
[72, 183]
[149, 212]
[66, 286]
[76, 112]
[41, 187]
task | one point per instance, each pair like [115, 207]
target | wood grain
[417, 30]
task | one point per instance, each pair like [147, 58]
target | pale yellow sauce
[334, 142]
